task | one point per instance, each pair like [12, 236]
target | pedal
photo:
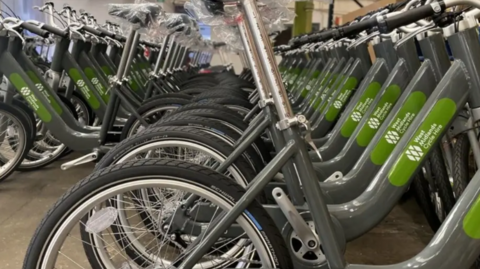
[91, 157]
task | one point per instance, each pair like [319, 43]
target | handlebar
[34, 29]
[105, 32]
[54, 30]
[92, 31]
[385, 23]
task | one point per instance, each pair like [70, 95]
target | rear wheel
[117, 194]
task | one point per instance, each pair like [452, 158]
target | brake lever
[11, 28]
[74, 28]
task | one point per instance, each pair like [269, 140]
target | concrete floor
[25, 197]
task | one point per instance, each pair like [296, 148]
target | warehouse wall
[342, 7]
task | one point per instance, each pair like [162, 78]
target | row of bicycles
[276, 167]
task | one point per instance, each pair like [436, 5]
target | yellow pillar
[303, 20]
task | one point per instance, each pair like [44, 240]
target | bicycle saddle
[179, 23]
[215, 7]
[141, 14]
[218, 44]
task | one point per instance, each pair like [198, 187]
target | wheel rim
[93, 202]
[14, 141]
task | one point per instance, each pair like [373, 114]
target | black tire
[228, 92]
[421, 193]
[168, 95]
[442, 180]
[29, 115]
[209, 105]
[231, 102]
[250, 155]
[436, 184]
[219, 94]
[183, 133]
[71, 106]
[463, 170]
[195, 91]
[147, 108]
[26, 132]
[262, 149]
[123, 173]
[462, 173]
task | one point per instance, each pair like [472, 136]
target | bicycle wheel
[16, 139]
[464, 166]
[151, 112]
[434, 183]
[422, 196]
[179, 143]
[222, 131]
[47, 149]
[108, 199]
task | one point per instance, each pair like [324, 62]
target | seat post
[123, 61]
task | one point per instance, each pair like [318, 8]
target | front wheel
[16, 139]
[174, 192]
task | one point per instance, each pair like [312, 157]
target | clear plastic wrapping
[198, 9]
[230, 35]
[275, 13]
[139, 15]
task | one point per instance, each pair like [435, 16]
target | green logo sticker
[325, 96]
[398, 127]
[32, 100]
[471, 222]
[82, 86]
[35, 79]
[96, 83]
[359, 111]
[379, 114]
[107, 70]
[133, 84]
[421, 143]
[341, 99]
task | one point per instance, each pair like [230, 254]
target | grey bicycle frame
[460, 227]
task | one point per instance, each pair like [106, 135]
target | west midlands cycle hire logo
[337, 104]
[356, 116]
[392, 137]
[80, 83]
[374, 123]
[414, 153]
[95, 81]
[25, 91]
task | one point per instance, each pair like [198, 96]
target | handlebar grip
[413, 15]
[106, 33]
[151, 44]
[120, 38]
[358, 27]
[55, 30]
[322, 36]
[34, 29]
[92, 31]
